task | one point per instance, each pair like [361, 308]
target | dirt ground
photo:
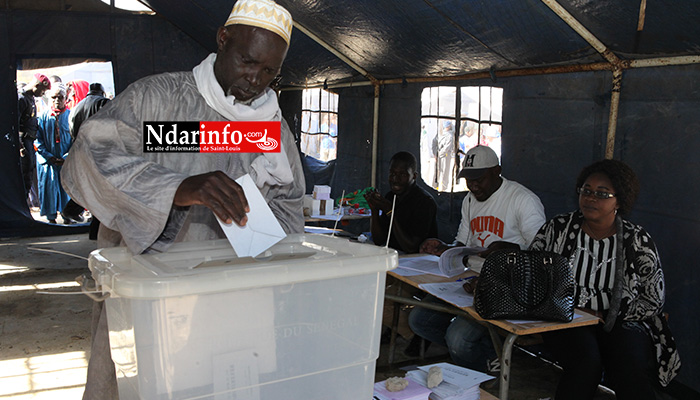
[44, 331]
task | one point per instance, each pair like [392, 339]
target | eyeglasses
[598, 194]
[57, 97]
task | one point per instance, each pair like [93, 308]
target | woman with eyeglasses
[618, 276]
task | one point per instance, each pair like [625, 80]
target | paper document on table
[336, 215]
[459, 376]
[413, 391]
[458, 383]
[451, 292]
[426, 264]
[262, 229]
[452, 260]
[445, 390]
[407, 272]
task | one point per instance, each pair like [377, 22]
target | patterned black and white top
[593, 262]
[638, 288]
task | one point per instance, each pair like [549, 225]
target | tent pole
[583, 32]
[375, 135]
[664, 61]
[509, 73]
[614, 107]
[615, 62]
[642, 14]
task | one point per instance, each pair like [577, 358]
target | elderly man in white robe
[148, 201]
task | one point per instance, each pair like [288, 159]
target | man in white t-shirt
[496, 214]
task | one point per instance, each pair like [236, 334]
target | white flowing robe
[131, 192]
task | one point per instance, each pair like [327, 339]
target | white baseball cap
[478, 160]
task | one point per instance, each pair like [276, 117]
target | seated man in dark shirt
[414, 213]
[415, 220]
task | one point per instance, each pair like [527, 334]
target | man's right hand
[216, 191]
[470, 285]
[433, 246]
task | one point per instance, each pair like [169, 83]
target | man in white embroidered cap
[147, 200]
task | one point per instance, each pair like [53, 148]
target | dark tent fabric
[420, 38]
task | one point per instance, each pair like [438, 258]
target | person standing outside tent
[428, 157]
[28, 126]
[445, 140]
[44, 102]
[149, 201]
[496, 214]
[53, 140]
[76, 91]
[92, 103]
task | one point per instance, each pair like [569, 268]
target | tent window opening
[453, 120]
[319, 124]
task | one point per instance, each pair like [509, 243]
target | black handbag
[527, 285]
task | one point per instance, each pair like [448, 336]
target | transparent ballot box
[300, 321]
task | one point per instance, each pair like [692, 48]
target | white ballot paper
[262, 229]
[459, 376]
[426, 264]
[451, 292]
[458, 383]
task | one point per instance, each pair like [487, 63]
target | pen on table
[466, 279]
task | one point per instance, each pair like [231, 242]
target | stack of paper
[458, 383]
[413, 391]
[452, 260]
[322, 192]
[449, 264]
[425, 264]
[318, 206]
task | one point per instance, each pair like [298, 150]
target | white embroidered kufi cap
[264, 14]
[59, 88]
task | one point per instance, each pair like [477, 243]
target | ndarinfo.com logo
[211, 136]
